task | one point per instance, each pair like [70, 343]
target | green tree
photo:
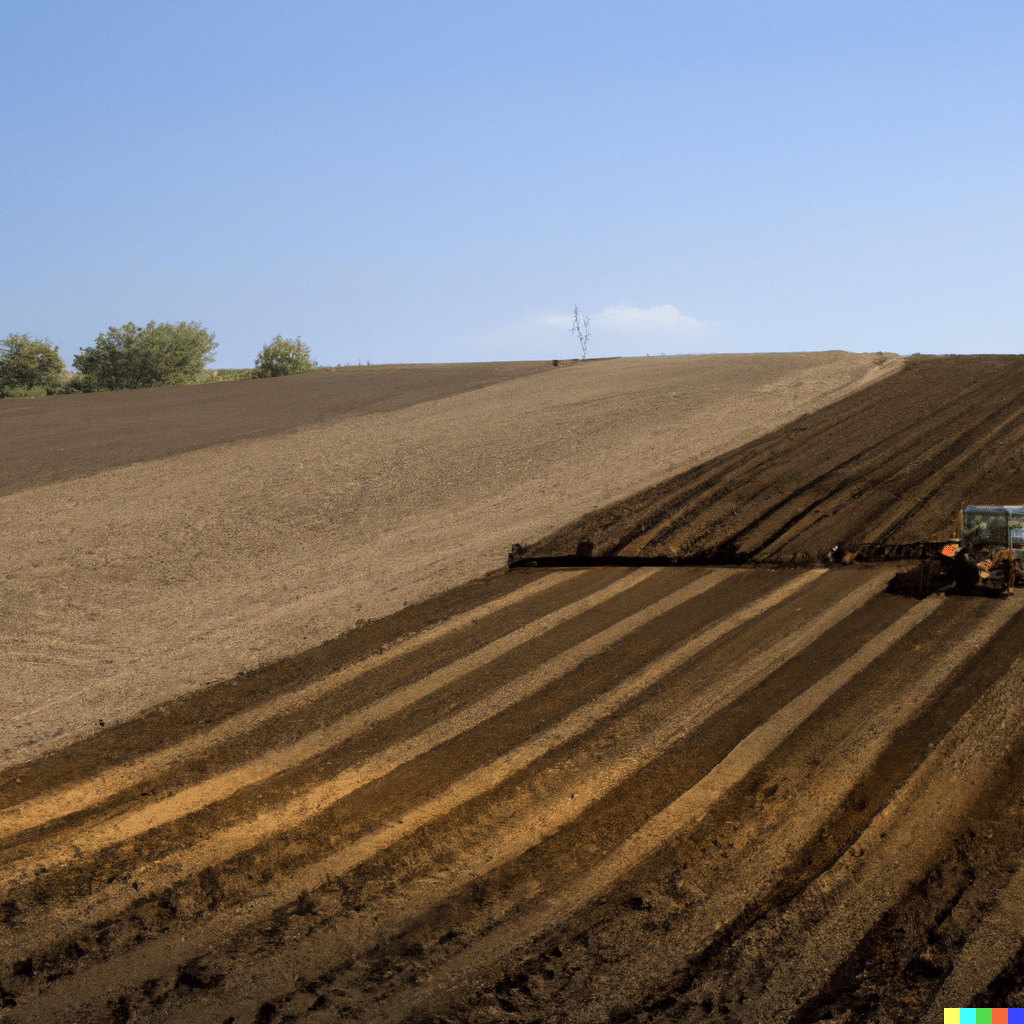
[283, 356]
[145, 357]
[29, 367]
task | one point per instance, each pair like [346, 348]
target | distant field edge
[67, 437]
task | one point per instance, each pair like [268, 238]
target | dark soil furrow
[403, 948]
[394, 864]
[862, 461]
[123, 859]
[716, 856]
[850, 484]
[339, 702]
[240, 870]
[761, 532]
[164, 727]
[242, 804]
[920, 492]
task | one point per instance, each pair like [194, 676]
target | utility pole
[581, 328]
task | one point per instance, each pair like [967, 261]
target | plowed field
[871, 475]
[612, 793]
[156, 541]
[606, 793]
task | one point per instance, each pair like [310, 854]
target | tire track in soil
[50, 808]
[747, 900]
[129, 824]
[751, 611]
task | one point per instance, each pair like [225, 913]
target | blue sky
[435, 182]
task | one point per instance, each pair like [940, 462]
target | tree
[283, 356]
[145, 357]
[29, 366]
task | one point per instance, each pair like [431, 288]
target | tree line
[128, 357]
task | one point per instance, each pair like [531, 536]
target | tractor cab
[986, 530]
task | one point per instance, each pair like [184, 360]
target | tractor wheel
[965, 574]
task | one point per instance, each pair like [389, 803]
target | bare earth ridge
[139, 582]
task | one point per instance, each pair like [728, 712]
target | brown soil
[377, 487]
[868, 476]
[78, 435]
[693, 793]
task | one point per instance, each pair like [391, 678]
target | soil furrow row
[940, 467]
[847, 482]
[869, 507]
[683, 813]
[536, 820]
[762, 532]
[166, 867]
[730, 892]
[991, 948]
[131, 823]
[897, 848]
[702, 640]
[21, 817]
[229, 842]
[891, 735]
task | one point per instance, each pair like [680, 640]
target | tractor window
[986, 529]
[978, 526]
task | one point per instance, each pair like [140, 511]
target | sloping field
[614, 793]
[214, 552]
[874, 474]
[621, 794]
[72, 436]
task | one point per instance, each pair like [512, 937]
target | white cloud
[556, 321]
[615, 330]
[655, 317]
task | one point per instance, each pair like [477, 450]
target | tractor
[985, 531]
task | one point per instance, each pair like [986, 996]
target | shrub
[283, 356]
[29, 367]
[220, 376]
[26, 392]
[74, 384]
[145, 357]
